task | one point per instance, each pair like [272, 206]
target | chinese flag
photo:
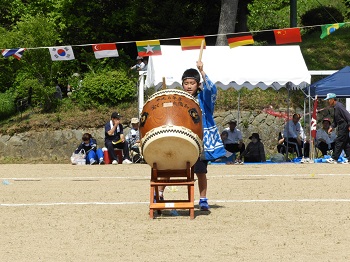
[314, 119]
[287, 36]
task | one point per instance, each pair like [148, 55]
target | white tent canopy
[249, 66]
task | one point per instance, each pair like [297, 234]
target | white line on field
[332, 200]
[313, 174]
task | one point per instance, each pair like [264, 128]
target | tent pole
[303, 150]
[311, 151]
[287, 151]
[238, 106]
[141, 86]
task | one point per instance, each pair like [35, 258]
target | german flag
[192, 42]
[240, 39]
[148, 48]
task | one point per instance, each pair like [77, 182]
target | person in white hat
[342, 122]
[139, 65]
[133, 139]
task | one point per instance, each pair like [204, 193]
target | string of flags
[152, 47]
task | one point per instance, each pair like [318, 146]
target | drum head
[171, 148]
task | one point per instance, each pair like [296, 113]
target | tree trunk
[227, 20]
[242, 16]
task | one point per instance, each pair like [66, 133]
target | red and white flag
[314, 119]
[105, 50]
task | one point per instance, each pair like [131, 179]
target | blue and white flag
[61, 53]
[15, 52]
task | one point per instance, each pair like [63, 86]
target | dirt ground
[272, 212]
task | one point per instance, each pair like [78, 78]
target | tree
[227, 21]
[242, 16]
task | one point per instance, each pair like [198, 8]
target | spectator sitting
[294, 135]
[114, 138]
[325, 140]
[228, 158]
[281, 148]
[139, 65]
[94, 155]
[255, 151]
[133, 139]
[234, 141]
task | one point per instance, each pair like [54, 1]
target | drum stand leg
[183, 177]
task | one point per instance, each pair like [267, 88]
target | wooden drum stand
[183, 177]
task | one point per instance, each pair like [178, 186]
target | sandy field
[272, 212]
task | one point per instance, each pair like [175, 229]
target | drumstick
[201, 51]
[200, 57]
[164, 84]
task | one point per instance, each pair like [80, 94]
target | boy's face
[190, 86]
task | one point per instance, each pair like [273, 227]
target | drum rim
[166, 91]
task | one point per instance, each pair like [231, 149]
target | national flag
[330, 28]
[148, 48]
[15, 52]
[59, 53]
[286, 36]
[105, 50]
[240, 39]
[314, 119]
[192, 42]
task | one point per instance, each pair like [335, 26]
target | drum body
[171, 130]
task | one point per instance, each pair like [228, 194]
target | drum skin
[174, 108]
[171, 130]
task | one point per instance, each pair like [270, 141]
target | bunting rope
[178, 38]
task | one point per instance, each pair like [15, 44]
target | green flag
[330, 28]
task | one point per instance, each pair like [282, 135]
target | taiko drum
[171, 130]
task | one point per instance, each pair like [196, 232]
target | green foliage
[30, 32]
[7, 104]
[330, 53]
[272, 14]
[321, 15]
[105, 88]
[257, 99]
[42, 96]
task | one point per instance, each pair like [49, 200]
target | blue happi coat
[212, 143]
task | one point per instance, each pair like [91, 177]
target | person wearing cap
[234, 141]
[255, 152]
[114, 138]
[325, 140]
[294, 136]
[133, 137]
[213, 147]
[342, 122]
[139, 64]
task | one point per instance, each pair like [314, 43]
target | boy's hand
[200, 66]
